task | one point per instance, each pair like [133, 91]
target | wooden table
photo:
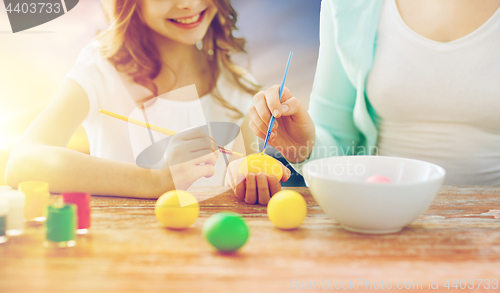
[128, 251]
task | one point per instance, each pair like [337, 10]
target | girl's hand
[293, 131]
[191, 155]
[254, 188]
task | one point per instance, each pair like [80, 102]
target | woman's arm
[332, 99]
[41, 154]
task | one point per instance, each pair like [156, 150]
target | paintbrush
[271, 122]
[159, 129]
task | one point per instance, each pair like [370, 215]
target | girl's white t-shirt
[115, 91]
[439, 101]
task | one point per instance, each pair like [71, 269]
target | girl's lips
[188, 22]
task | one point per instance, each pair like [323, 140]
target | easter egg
[377, 179]
[287, 209]
[226, 231]
[171, 214]
[257, 163]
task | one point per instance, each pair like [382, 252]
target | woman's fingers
[254, 188]
[251, 189]
[240, 189]
[263, 189]
[267, 104]
[257, 120]
[230, 181]
[235, 179]
[256, 130]
[275, 125]
[262, 133]
[257, 188]
[291, 107]
[273, 100]
[274, 185]
[261, 109]
[286, 173]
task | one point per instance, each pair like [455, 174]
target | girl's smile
[189, 22]
[185, 22]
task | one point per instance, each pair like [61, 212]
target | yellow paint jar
[37, 200]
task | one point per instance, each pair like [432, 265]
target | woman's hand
[191, 155]
[293, 131]
[254, 188]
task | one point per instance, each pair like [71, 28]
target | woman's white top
[439, 102]
[115, 91]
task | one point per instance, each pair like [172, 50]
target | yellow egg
[287, 209]
[257, 163]
[169, 212]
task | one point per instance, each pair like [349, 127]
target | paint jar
[61, 226]
[37, 200]
[15, 217]
[4, 210]
[82, 202]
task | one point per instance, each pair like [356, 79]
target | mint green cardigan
[343, 118]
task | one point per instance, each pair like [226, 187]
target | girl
[151, 47]
[416, 79]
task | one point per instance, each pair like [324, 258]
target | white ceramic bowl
[337, 184]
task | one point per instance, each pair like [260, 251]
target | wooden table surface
[128, 251]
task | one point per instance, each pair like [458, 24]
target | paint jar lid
[80, 199]
[4, 206]
[34, 188]
[61, 222]
[16, 198]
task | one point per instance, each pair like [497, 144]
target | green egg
[226, 231]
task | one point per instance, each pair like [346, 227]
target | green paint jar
[4, 210]
[61, 225]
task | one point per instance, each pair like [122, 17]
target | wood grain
[128, 251]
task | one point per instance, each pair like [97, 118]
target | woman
[150, 48]
[415, 79]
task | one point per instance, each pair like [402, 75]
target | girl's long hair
[129, 46]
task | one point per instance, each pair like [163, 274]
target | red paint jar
[82, 202]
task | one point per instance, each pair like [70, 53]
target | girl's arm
[41, 154]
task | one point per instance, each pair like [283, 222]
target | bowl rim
[441, 172]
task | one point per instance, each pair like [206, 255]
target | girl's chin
[185, 40]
